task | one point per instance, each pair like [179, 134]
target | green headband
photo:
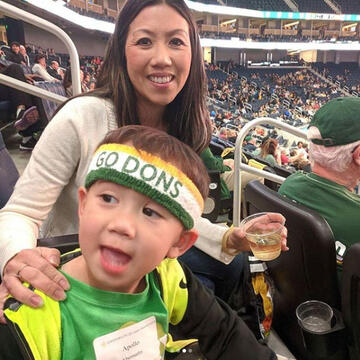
[148, 175]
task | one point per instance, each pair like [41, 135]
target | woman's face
[158, 55]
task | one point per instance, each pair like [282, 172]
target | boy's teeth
[160, 80]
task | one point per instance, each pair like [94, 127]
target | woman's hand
[238, 242]
[38, 268]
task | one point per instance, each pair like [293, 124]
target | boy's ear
[82, 192]
[186, 241]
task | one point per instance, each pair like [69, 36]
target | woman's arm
[52, 164]
[223, 243]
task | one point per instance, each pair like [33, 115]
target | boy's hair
[155, 164]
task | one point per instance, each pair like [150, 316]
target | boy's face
[125, 235]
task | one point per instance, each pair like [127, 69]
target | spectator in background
[269, 151]
[27, 120]
[14, 55]
[223, 133]
[53, 70]
[284, 157]
[302, 149]
[68, 83]
[85, 79]
[92, 85]
[250, 144]
[24, 55]
[40, 69]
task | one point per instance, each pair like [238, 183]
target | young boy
[130, 298]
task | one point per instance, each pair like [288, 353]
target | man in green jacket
[334, 135]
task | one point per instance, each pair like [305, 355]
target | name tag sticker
[136, 342]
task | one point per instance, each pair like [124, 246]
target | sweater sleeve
[222, 335]
[52, 164]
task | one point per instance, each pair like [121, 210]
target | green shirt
[88, 313]
[269, 158]
[339, 206]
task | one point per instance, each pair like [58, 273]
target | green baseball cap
[338, 122]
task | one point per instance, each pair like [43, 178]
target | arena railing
[239, 166]
[16, 13]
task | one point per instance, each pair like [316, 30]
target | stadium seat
[8, 174]
[306, 272]
[350, 296]
[48, 107]
[64, 243]
[214, 206]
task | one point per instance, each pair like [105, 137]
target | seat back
[64, 243]
[212, 202]
[350, 298]
[307, 271]
[8, 174]
[48, 107]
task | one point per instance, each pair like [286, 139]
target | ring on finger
[20, 270]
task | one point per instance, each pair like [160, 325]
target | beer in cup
[264, 235]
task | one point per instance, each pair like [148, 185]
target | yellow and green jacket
[194, 314]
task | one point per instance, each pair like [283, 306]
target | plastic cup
[264, 235]
[315, 316]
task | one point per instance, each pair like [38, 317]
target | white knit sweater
[46, 193]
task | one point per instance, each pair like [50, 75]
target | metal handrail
[31, 89]
[14, 12]
[242, 167]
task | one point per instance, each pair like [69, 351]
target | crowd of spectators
[263, 144]
[289, 95]
[34, 64]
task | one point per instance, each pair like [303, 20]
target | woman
[40, 69]
[152, 75]
[269, 152]
[67, 83]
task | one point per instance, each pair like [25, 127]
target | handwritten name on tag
[136, 342]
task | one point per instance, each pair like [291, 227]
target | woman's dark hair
[67, 78]
[269, 147]
[167, 148]
[186, 116]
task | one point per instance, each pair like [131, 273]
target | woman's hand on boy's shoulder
[38, 268]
